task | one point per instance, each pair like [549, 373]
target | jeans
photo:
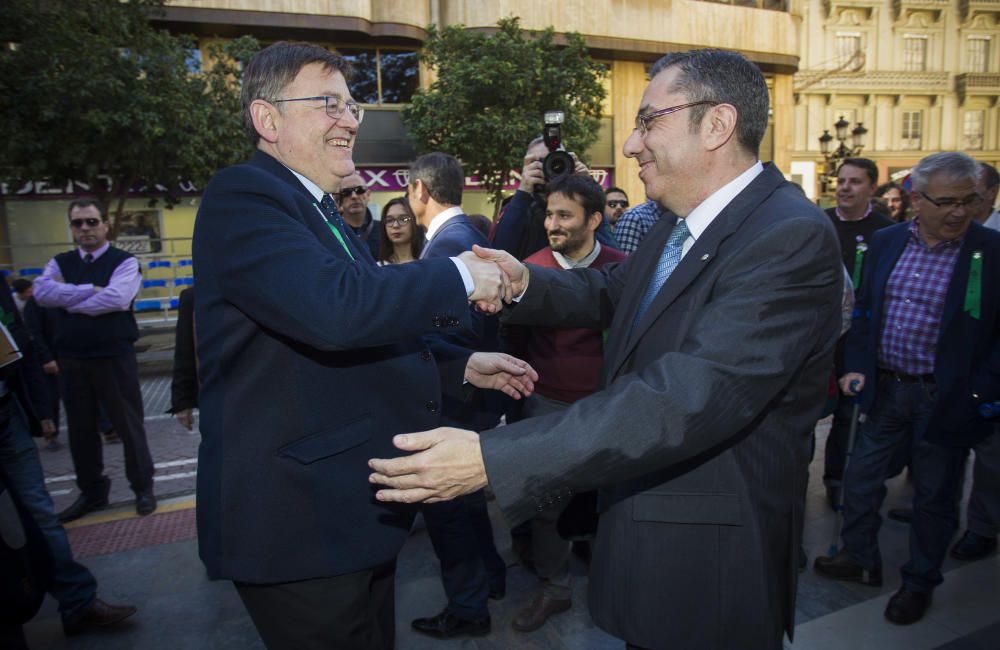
[73, 585]
[984, 501]
[900, 415]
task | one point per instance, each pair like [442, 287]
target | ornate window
[847, 43]
[914, 52]
[972, 130]
[912, 129]
[977, 49]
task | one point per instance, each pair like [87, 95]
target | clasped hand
[498, 278]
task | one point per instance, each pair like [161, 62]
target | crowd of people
[644, 377]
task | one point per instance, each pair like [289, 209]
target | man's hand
[186, 418]
[501, 372]
[48, 427]
[491, 286]
[450, 464]
[531, 174]
[578, 166]
[50, 368]
[850, 378]
[515, 272]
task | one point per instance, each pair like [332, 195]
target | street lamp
[833, 159]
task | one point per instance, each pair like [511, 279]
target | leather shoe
[906, 606]
[82, 506]
[541, 608]
[842, 567]
[446, 625]
[145, 502]
[973, 547]
[98, 615]
[902, 515]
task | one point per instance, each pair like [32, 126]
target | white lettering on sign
[376, 177]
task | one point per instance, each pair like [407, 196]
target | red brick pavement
[133, 532]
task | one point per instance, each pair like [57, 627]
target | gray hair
[441, 174]
[273, 68]
[723, 77]
[956, 165]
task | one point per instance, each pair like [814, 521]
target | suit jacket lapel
[699, 257]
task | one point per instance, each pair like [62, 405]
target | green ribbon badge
[859, 260]
[974, 286]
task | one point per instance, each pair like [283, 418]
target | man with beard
[568, 361]
[354, 195]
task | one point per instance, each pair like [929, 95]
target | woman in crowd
[401, 239]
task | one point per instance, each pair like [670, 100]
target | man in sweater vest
[92, 289]
[568, 362]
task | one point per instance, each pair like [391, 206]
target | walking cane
[856, 417]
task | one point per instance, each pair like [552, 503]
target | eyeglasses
[393, 222]
[952, 204]
[357, 191]
[90, 221]
[617, 203]
[334, 106]
[642, 121]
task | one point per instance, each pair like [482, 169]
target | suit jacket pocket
[324, 444]
[712, 509]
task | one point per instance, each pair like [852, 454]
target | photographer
[520, 230]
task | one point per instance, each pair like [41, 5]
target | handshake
[498, 278]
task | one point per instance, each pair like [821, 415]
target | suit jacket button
[426, 355]
[452, 321]
[436, 321]
[432, 406]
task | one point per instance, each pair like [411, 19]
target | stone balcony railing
[977, 83]
[880, 81]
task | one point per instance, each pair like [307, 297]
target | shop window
[382, 76]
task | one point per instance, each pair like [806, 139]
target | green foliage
[491, 91]
[90, 87]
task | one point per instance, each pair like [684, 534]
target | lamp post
[833, 159]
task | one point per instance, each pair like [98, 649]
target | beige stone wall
[409, 12]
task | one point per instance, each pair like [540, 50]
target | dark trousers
[111, 383]
[900, 417]
[462, 536]
[355, 611]
[835, 456]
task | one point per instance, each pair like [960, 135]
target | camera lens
[556, 165]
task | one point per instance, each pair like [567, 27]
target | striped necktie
[669, 260]
[335, 222]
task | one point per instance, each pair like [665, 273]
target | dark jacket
[967, 359]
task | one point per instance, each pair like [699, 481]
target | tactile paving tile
[135, 532]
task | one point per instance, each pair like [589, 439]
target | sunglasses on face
[90, 221]
[617, 203]
[357, 191]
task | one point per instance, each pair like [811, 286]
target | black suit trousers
[111, 383]
[354, 611]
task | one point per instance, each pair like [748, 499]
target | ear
[420, 191]
[265, 120]
[719, 126]
[594, 221]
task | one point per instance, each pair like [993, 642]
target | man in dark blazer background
[471, 569]
[924, 353]
[300, 337]
[715, 372]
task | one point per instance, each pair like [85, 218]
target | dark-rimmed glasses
[334, 106]
[642, 121]
[357, 191]
[950, 203]
[617, 203]
[92, 222]
[392, 222]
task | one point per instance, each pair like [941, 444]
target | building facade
[921, 75]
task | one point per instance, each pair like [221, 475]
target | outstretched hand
[449, 463]
[499, 371]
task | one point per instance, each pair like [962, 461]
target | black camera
[558, 163]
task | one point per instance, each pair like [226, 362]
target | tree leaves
[491, 91]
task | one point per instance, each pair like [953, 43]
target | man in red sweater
[568, 362]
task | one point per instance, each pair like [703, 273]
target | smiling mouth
[343, 143]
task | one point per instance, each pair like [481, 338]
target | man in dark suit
[924, 353]
[300, 338]
[722, 328]
[471, 569]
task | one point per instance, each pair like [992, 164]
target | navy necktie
[88, 259]
[669, 260]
